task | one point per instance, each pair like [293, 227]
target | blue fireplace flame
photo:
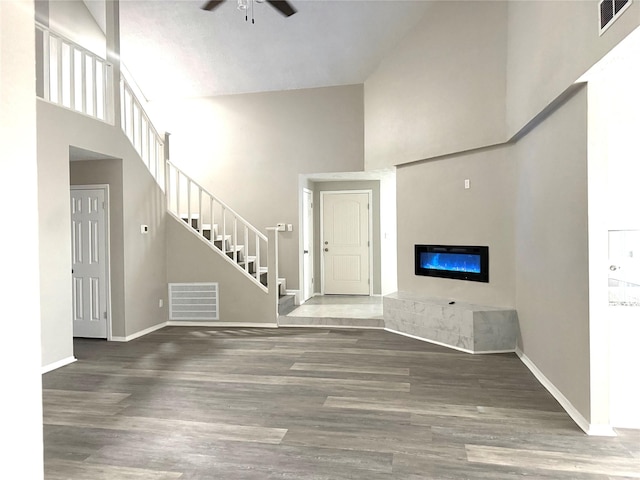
[451, 262]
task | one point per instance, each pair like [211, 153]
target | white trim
[589, 429]
[58, 364]
[453, 347]
[295, 293]
[334, 327]
[301, 269]
[141, 333]
[107, 227]
[177, 323]
[369, 192]
[615, 17]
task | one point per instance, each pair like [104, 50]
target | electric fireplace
[453, 261]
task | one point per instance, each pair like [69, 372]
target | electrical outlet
[144, 228]
[281, 226]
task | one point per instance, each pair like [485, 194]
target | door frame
[308, 223]
[369, 193]
[107, 234]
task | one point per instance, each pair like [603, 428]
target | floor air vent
[610, 10]
[193, 301]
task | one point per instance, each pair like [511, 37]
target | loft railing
[138, 128]
[238, 240]
[75, 78]
[72, 76]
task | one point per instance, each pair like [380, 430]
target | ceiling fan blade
[283, 7]
[212, 4]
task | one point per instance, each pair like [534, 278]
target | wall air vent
[609, 11]
[193, 301]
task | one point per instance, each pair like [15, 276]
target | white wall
[614, 149]
[72, 19]
[442, 88]
[248, 150]
[20, 356]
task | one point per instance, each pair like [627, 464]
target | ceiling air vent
[610, 10]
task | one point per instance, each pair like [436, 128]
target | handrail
[71, 76]
[139, 129]
[194, 204]
[227, 207]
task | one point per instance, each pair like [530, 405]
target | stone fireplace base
[463, 326]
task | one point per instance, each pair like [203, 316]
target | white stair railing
[235, 238]
[138, 128]
[72, 77]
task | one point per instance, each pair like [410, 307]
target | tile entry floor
[340, 306]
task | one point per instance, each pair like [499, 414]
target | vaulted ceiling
[174, 49]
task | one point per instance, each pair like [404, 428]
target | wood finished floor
[203, 403]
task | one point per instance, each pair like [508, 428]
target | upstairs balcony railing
[72, 77]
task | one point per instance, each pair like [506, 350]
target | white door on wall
[307, 244]
[89, 262]
[346, 243]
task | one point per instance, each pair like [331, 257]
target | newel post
[272, 270]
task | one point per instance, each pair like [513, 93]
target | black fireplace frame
[482, 251]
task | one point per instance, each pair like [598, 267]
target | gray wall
[248, 150]
[435, 208]
[550, 45]
[442, 89]
[20, 358]
[142, 260]
[552, 249]
[374, 186]
[470, 76]
[189, 260]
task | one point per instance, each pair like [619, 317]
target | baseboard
[58, 364]
[139, 334]
[297, 294]
[334, 327]
[576, 416]
[460, 349]
[174, 323]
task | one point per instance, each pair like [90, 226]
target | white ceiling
[174, 49]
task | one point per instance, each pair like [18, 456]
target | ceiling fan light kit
[284, 7]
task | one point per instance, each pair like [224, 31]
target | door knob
[326, 249]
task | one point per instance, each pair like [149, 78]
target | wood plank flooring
[206, 403]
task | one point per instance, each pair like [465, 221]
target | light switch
[466, 183]
[289, 227]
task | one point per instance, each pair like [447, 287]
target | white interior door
[89, 262]
[346, 243]
[307, 244]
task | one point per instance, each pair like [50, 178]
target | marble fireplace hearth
[463, 326]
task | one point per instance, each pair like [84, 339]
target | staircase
[247, 263]
[228, 234]
[225, 231]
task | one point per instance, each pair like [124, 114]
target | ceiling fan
[284, 7]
